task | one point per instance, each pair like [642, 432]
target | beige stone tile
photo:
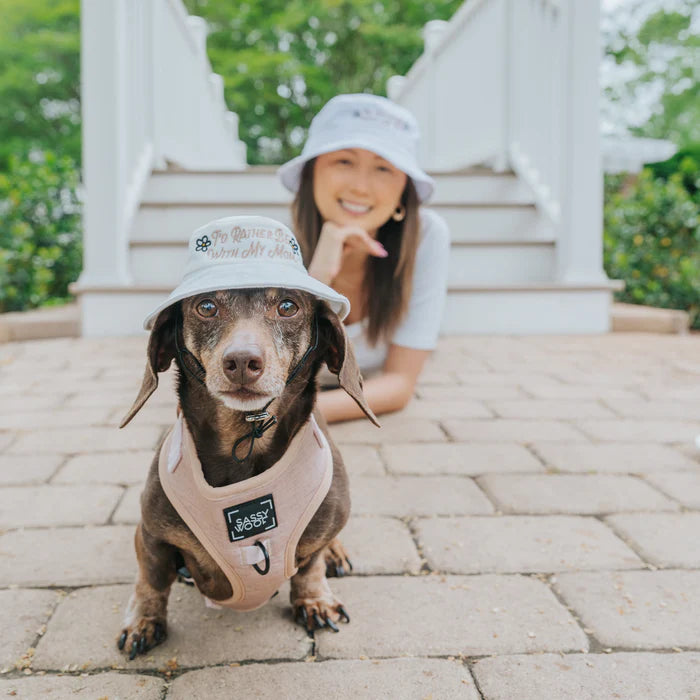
[27, 469]
[124, 467]
[459, 407]
[587, 494]
[43, 506]
[619, 457]
[31, 421]
[623, 430]
[555, 409]
[473, 392]
[516, 544]
[395, 428]
[197, 635]
[24, 403]
[68, 556]
[657, 409]
[664, 539]
[100, 685]
[409, 496]
[508, 430]
[683, 486]
[129, 509]
[441, 615]
[380, 545]
[74, 440]
[6, 439]
[459, 458]
[362, 460]
[637, 609]
[626, 676]
[541, 390]
[408, 679]
[22, 614]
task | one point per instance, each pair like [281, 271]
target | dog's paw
[337, 561]
[317, 613]
[142, 635]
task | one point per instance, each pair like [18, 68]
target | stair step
[177, 221]
[498, 309]
[255, 187]
[471, 262]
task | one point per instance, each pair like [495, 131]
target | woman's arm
[389, 391]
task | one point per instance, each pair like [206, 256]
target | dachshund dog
[239, 352]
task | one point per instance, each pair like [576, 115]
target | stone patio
[528, 528]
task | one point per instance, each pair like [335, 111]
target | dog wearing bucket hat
[246, 490]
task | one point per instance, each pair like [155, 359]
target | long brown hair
[387, 281]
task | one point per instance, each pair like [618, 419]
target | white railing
[149, 100]
[514, 84]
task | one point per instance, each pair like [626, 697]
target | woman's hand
[334, 243]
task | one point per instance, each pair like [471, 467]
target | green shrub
[652, 240]
[40, 231]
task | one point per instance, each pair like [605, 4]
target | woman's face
[357, 187]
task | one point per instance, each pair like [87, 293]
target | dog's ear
[340, 359]
[160, 353]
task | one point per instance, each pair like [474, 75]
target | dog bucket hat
[363, 121]
[246, 252]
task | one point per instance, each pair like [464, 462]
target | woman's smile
[354, 207]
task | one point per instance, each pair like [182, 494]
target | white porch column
[104, 106]
[580, 243]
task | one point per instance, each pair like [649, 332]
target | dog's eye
[206, 308]
[287, 308]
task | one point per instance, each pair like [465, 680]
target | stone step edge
[636, 318]
[40, 324]
[609, 285]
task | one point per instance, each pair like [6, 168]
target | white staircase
[516, 264]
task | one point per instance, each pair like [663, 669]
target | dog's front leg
[311, 597]
[145, 623]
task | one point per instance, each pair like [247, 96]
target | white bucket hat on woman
[246, 252]
[363, 121]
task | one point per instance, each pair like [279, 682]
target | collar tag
[253, 417]
[250, 518]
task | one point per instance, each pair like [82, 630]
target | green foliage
[283, 59]
[652, 239]
[660, 58]
[686, 161]
[39, 77]
[40, 231]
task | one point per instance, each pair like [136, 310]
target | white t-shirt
[420, 326]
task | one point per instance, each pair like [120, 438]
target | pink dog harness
[251, 528]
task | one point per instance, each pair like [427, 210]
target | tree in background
[653, 58]
[39, 78]
[281, 60]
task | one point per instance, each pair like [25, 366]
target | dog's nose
[243, 365]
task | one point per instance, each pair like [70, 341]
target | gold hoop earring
[400, 213]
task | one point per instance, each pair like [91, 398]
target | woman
[356, 214]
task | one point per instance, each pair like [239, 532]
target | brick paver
[662, 538]
[408, 679]
[517, 544]
[538, 499]
[572, 493]
[637, 609]
[640, 676]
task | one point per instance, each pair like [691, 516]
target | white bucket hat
[244, 252]
[363, 121]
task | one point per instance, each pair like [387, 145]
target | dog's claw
[122, 641]
[343, 613]
[349, 563]
[143, 644]
[332, 624]
[339, 571]
[319, 622]
[134, 651]
[158, 633]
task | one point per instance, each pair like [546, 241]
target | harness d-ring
[262, 572]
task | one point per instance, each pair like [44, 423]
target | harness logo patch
[250, 518]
